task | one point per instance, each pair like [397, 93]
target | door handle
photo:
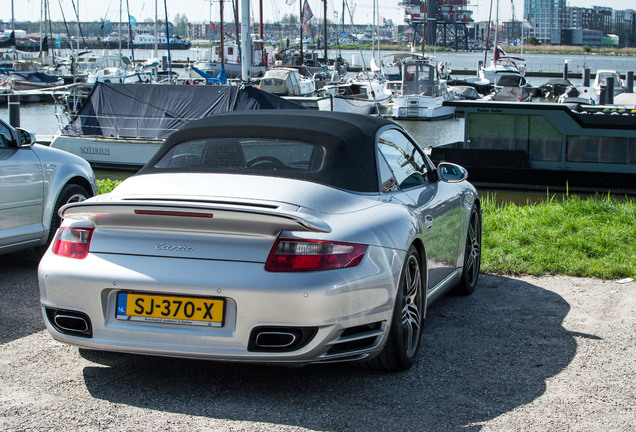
[428, 221]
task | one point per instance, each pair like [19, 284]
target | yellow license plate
[199, 311]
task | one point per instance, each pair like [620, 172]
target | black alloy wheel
[472, 255]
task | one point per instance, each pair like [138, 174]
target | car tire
[70, 193]
[472, 256]
[403, 342]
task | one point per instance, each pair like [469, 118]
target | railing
[120, 126]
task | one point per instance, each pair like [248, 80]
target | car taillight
[307, 255]
[72, 242]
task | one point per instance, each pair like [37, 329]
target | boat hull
[421, 108]
[232, 70]
[541, 145]
[109, 152]
[351, 105]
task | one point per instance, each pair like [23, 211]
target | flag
[132, 20]
[526, 24]
[290, 2]
[212, 25]
[307, 13]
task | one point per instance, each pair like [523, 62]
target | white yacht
[502, 65]
[423, 93]
[362, 96]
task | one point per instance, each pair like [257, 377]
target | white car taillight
[72, 242]
[291, 255]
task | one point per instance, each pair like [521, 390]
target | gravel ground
[528, 353]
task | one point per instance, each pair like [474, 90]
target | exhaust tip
[274, 339]
[70, 322]
[280, 339]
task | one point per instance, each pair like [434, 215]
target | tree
[533, 41]
[181, 24]
[289, 19]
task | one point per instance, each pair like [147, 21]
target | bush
[107, 185]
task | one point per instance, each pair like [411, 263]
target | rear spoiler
[268, 220]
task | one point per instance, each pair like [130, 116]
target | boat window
[491, 132]
[538, 137]
[292, 79]
[404, 159]
[242, 155]
[594, 149]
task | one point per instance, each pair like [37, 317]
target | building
[511, 32]
[578, 37]
[545, 16]
[624, 25]
[585, 18]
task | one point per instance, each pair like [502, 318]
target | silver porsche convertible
[288, 237]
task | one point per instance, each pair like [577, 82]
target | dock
[50, 94]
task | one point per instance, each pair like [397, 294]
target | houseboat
[538, 145]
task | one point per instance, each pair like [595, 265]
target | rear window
[244, 156]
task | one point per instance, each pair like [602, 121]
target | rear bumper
[348, 310]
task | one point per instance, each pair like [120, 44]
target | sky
[273, 10]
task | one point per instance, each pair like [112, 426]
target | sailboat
[367, 94]
[501, 63]
[227, 56]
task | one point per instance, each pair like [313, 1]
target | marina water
[41, 120]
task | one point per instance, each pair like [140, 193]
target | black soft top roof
[348, 139]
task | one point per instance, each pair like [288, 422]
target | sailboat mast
[246, 52]
[130, 32]
[302, 55]
[222, 57]
[120, 22]
[260, 25]
[210, 30]
[488, 34]
[41, 20]
[165, 8]
[378, 30]
[424, 28]
[324, 30]
[373, 32]
[154, 54]
[497, 27]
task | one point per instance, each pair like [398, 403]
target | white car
[35, 181]
[277, 236]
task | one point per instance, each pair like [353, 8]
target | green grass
[107, 185]
[591, 237]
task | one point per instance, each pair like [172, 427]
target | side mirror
[452, 173]
[26, 138]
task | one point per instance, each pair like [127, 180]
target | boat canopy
[155, 111]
